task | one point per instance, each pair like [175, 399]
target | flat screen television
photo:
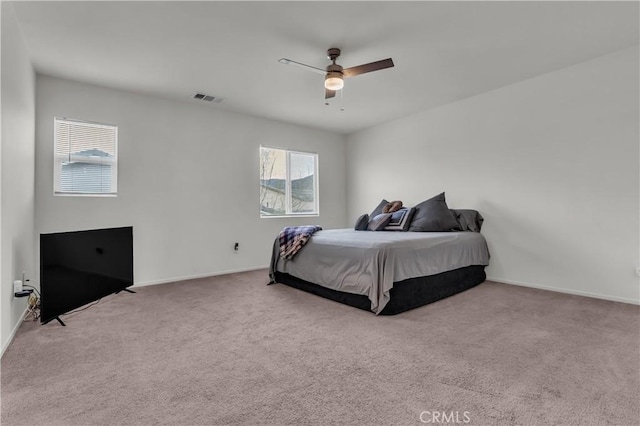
[80, 267]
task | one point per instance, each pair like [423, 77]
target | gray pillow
[433, 215]
[362, 223]
[379, 222]
[469, 220]
[378, 209]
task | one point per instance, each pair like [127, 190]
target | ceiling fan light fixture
[335, 73]
[333, 81]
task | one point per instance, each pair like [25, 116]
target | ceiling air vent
[208, 98]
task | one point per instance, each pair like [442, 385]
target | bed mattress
[371, 263]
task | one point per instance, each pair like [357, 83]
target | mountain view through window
[288, 182]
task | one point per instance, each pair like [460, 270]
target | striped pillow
[400, 220]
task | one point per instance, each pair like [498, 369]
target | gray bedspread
[369, 263]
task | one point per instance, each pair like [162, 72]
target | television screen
[80, 267]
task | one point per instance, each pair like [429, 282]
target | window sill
[82, 194]
[289, 216]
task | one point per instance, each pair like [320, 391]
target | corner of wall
[17, 171]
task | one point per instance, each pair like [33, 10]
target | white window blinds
[85, 158]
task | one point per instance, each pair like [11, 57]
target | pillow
[378, 209]
[379, 222]
[469, 220]
[400, 220]
[362, 223]
[391, 207]
[433, 215]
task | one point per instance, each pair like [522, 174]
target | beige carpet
[231, 350]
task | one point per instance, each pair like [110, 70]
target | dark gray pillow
[378, 209]
[362, 223]
[469, 220]
[379, 222]
[433, 215]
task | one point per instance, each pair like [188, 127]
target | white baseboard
[14, 331]
[566, 291]
[193, 277]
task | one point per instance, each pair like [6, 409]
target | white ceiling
[443, 51]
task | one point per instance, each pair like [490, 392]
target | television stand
[125, 289]
[55, 318]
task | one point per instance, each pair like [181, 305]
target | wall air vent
[208, 98]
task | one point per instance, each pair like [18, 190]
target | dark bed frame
[405, 295]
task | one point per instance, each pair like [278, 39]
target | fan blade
[329, 93]
[372, 66]
[301, 65]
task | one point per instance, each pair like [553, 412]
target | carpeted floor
[231, 350]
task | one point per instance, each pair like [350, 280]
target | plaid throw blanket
[293, 238]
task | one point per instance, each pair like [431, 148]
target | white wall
[16, 171]
[187, 179]
[551, 163]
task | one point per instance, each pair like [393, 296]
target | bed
[385, 272]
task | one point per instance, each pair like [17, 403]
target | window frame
[288, 193]
[58, 160]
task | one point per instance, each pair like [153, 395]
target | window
[288, 183]
[85, 158]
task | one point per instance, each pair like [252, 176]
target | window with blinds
[85, 158]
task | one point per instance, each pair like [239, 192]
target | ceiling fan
[335, 74]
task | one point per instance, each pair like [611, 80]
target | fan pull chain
[327, 102]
